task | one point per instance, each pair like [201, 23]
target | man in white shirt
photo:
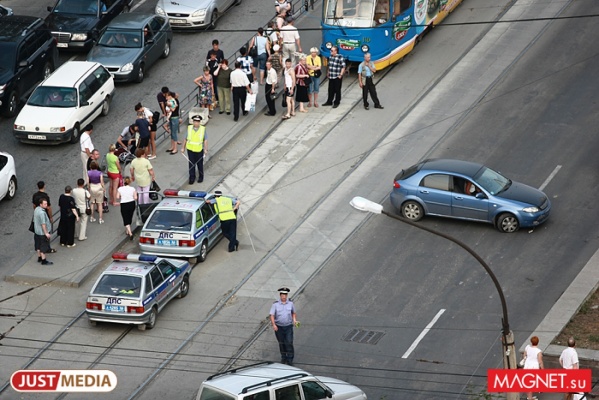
[269, 89]
[569, 360]
[86, 149]
[240, 86]
[291, 41]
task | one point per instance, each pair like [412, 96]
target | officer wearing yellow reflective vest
[226, 208]
[196, 144]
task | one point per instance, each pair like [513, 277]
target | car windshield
[492, 181]
[170, 220]
[118, 285]
[50, 96]
[79, 7]
[120, 38]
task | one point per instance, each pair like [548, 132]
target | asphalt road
[394, 279]
[59, 165]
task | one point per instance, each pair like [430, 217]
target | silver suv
[272, 381]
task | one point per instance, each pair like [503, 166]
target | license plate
[62, 45]
[36, 137]
[109, 307]
[177, 21]
[167, 242]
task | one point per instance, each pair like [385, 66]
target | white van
[62, 105]
[272, 381]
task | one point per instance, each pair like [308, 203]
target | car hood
[44, 117]
[524, 193]
[184, 6]
[113, 56]
[342, 390]
[71, 23]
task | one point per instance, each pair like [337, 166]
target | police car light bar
[185, 193]
[134, 257]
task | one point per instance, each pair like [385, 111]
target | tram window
[381, 11]
[400, 6]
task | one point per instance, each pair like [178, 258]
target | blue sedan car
[469, 191]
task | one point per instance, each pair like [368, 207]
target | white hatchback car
[62, 105]
[8, 176]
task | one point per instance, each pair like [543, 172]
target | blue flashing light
[147, 258]
[198, 194]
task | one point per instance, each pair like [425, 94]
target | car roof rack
[270, 382]
[234, 370]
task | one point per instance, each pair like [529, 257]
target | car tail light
[146, 240]
[93, 306]
[396, 185]
[187, 243]
[135, 310]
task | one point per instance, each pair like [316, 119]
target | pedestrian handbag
[154, 189]
[253, 52]
[317, 73]
[88, 209]
[105, 205]
[284, 102]
[307, 80]
[31, 226]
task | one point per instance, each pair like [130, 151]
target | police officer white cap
[196, 118]
[284, 290]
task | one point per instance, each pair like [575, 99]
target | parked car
[135, 288]
[72, 97]
[469, 191]
[5, 11]
[272, 381]
[194, 13]
[28, 56]
[131, 43]
[76, 24]
[8, 176]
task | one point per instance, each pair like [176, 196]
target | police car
[272, 381]
[184, 224]
[135, 288]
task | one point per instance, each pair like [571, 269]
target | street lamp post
[507, 339]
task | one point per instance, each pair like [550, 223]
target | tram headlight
[365, 48]
[328, 45]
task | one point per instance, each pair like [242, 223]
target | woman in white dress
[533, 358]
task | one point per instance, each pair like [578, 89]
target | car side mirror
[480, 196]
[23, 64]
[149, 41]
[84, 103]
[328, 393]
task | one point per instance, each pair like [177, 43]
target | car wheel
[152, 320]
[184, 287]
[75, 135]
[507, 223]
[213, 19]
[167, 50]
[48, 70]
[412, 211]
[140, 74]
[12, 188]
[12, 105]
[106, 106]
[203, 251]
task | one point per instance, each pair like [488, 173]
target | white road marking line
[135, 7]
[423, 333]
[550, 177]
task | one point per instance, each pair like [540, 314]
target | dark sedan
[131, 43]
[469, 191]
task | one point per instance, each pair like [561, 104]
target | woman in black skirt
[128, 196]
[301, 88]
[69, 215]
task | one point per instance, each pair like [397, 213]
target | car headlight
[19, 127]
[127, 67]
[365, 48]
[57, 129]
[328, 45]
[160, 11]
[2, 87]
[79, 37]
[199, 13]
[531, 209]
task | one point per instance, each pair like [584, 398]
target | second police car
[134, 289]
[184, 224]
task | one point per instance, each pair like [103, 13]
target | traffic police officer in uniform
[283, 319]
[226, 209]
[196, 144]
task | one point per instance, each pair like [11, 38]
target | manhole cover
[363, 336]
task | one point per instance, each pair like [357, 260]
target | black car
[28, 56]
[76, 24]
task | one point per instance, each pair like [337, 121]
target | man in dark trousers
[196, 144]
[283, 319]
[35, 200]
[366, 71]
[214, 58]
[240, 85]
[270, 89]
[226, 208]
[336, 70]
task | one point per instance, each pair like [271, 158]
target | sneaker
[46, 262]
[81, 240]
[101, 221]
[151, 157]
[380, 107]
[71, 245]
[366, 107]
[92, 219]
